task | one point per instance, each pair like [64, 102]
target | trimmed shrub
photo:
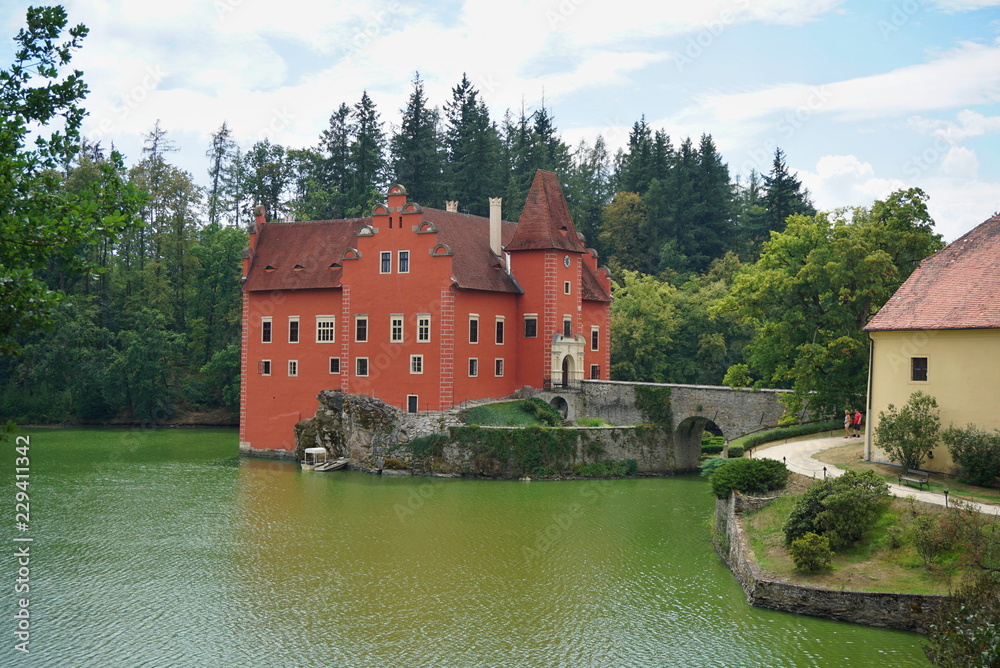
[811, 552]
[977, 453]
[710, 464]
[736, 451]
[543, 412]
[711, 449]
[842, 509]
[748, 476]
[753, 440]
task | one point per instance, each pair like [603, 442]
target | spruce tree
[417, 151]
[368, 162]
[474, 172]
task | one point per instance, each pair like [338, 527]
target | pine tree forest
[149, 330]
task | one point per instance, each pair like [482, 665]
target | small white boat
[332, 465]
[312, 458]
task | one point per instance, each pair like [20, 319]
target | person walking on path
[857, 423]
[848, 422]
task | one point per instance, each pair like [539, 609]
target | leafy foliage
[909, 434]
[815, 287]
[748, 476]
[842, 509]
[977, 452]
[965, 630]
[811, 552]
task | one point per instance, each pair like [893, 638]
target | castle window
[293, 329]
[423, 328]
[265, 329]
[567, 327]
[385, 266]
[265, 367]
[499, 336]
[530, 326]
[565, 287]
[396, 328]
[416, 363]
[918, 369]
[361, 366]
[404, 262]
[334, 365]
[595, 338]
[498, 366]
[473, 367]
[360, 328]
[473, 328]
[293, 367]
[595, 372]
[326, 331]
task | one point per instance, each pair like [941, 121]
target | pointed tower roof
[545, 222]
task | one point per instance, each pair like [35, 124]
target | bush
[748, 476]
[753, 440]
[711, 449]
[591, 422]
[543, 412]
[842, 509]
[710, 464]
[977, 452]
[909, 434]
[929, 539]
[965, 630]
[736, 451]
[431, 445]
[811, 552]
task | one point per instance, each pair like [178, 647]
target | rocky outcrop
[362, 428]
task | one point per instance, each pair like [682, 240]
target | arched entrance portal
[568, 368]
[560, 405]
[687, 439]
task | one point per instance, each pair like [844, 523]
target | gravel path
[798, 456]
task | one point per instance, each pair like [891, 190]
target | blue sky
[864, 97]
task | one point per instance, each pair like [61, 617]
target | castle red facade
[420, 307]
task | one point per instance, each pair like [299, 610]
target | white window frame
[401, 256]
[595, 337]
[566, 287]
[293, 368]
[499, 330]
[265, 367]
[498, 367]
[527, 317]
[473, 367]
[357, 360]
[326, 329]
[385, 260]
[298, 328]
[358, 319]
[330, 366]
[269, 321]
[474, 317]
[396, 326]
[416, 364]
[422, 336]
[595, 367]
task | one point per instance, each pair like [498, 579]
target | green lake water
[162, 548]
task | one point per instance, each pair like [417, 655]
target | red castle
[420, 307]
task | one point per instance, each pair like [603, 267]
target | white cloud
[960, 162]
[845, 181]
[967, 124]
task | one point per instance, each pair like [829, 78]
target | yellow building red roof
[956, 288]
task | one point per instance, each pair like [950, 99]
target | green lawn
[503, 414]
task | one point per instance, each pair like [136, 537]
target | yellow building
[940, 334]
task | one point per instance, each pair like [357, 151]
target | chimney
[451, 205]
[495, 203]
[260, 217]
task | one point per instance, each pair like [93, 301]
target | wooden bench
[915, 475]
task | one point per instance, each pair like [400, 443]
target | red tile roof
[315, 246]
[956, 288]
[545, 221]
[592, 290]
[301, 256]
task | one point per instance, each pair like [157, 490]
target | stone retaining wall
[903, 612]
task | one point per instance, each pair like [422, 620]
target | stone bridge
[687, 408]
